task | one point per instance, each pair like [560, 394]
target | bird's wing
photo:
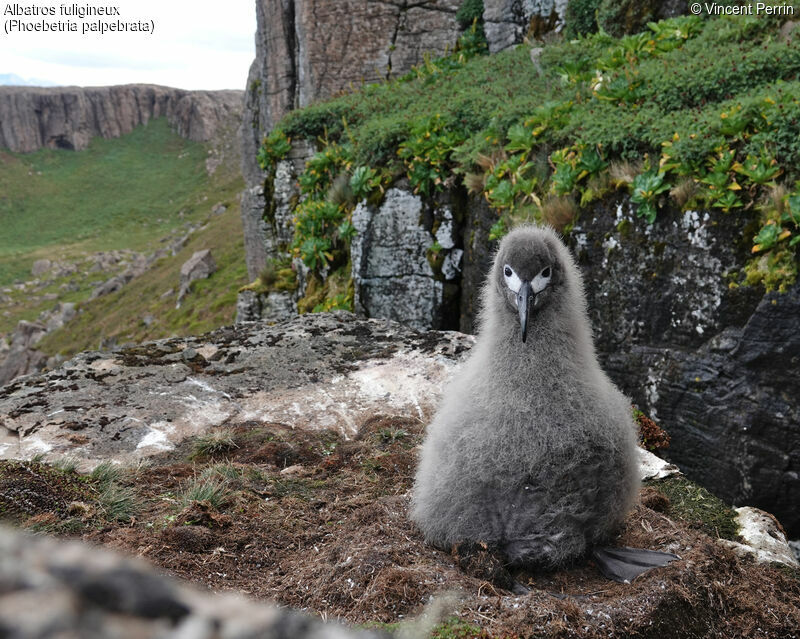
[625, 564]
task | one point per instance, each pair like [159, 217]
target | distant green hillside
[131, 193]
[119, 193]
[705, 112]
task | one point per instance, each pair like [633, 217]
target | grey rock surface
[274, 307]
[21, 357]
[267, 212]
[317, 371]
[507, 22]
[111, 285]
[40, 267]
[198, 267]
[60, 315]
[391, 273]
[32, 118]
[71, 590]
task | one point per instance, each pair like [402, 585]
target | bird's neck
[554, 340]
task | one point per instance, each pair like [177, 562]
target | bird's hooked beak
[524, 296]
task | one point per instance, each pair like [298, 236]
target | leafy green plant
[364, 181]
[316, 252]
[426, 153]
[781, 226]
[499, 229]
[761, 169]
[274, 148]
[565, 171]
[317, 223]
[580, 17]
[469, 12]
[707, 94]
[590, 162]
[548, 116]
[645, 189]
[575, 71]
[727, 200]
[323, 167]
[510, 182]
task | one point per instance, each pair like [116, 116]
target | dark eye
[508, 271]
[546, 272]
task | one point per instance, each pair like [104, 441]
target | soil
[320, 523]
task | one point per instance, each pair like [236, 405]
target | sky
[194, 44]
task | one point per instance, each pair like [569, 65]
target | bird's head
[528, 273]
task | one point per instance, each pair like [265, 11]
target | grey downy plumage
[533, 449]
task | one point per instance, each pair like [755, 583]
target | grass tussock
[213, 443]
[118, 502]
[559, 211]
[214, 491]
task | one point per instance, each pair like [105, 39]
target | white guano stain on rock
[444, 235]
[407, 383]
[653, 467]
[157, 437]
[762, 537]
[651, 393]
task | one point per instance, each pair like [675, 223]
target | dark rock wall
[32, 118]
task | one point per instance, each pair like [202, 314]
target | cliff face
[68, 117]
[312, 49]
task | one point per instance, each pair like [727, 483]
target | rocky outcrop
[324, 373]
[198, 267]
[68, 117]
[506, 22]
[21, 357]
[51, 588]
[509, 22]
[317, 371]
[717, 365]
[312, 49]
[401, 270]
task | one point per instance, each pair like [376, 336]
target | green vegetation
[118, 502]
[125, 193]
[698, 507]
[705, 112]
[118, 193]
[55, 498]
[213, 490]
[213, 443]
[210, 303]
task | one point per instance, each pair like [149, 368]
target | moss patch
[697, 507]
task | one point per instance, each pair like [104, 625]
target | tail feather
[625, 564]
